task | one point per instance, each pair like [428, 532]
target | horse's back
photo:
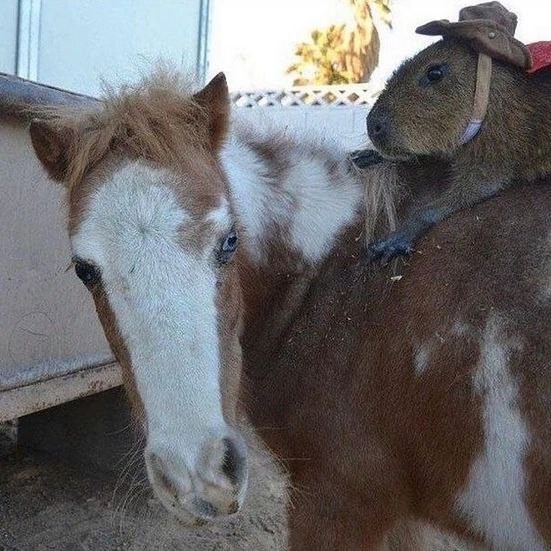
[475, 307]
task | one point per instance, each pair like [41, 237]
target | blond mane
[381, 190]
[157, 118]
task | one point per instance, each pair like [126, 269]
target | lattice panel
[352, 94]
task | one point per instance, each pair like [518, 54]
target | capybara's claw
[396, 244]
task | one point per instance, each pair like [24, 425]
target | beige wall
[47, 320]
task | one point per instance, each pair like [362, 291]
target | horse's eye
[434, 74]
[87, 273]
[228, 247]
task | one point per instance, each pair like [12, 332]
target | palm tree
[342, 54]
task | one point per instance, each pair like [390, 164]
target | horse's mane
[381, 188]
[157, 118]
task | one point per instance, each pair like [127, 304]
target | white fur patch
[220, 216]
[493, 500]
[309, 202]
[253, 196]
[163, 298]
[323, 206]
[422, 357]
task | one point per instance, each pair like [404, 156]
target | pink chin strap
[481, 98]
[540, 54]
[471, 131]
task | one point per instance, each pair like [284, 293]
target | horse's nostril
[377, 129]
[205, 508]
[159, 473]
[233, 463]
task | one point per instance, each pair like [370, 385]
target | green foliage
[383, 7]
[342, 54]
[321, 55]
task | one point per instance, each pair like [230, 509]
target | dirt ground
[46, 505]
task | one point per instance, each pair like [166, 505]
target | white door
[73, 44]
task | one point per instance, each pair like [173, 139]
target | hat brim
[483, 36]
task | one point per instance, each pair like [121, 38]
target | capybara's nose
[378, 122]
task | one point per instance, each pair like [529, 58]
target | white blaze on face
[163, 298]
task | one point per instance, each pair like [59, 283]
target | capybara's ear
[51, 145]
[215, 99]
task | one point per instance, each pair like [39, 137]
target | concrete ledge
[41, 395]
[18, 96]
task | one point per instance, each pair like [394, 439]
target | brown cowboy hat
[488, 28]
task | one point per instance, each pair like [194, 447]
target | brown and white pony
[423, 394]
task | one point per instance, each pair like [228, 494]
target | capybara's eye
[86, 272]
[434, 74]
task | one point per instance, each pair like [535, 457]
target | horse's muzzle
[214, 487]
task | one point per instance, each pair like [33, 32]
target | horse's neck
[293, 197]
[295, 200]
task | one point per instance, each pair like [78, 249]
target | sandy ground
[47, 505]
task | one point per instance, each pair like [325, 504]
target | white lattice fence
[349, 95]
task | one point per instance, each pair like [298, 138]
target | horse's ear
[215, 99]
[51, 145]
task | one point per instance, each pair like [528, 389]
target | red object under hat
[540, 52]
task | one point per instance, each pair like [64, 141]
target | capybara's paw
[365, 158]
[396, 244]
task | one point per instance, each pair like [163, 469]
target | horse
[225, 262]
